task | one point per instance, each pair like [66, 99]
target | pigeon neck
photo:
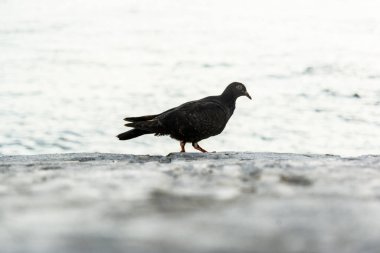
[229, 98]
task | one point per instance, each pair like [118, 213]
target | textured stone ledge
[217, 202]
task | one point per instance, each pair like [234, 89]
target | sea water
[70, 71]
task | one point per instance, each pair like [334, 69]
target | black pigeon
[192, 121]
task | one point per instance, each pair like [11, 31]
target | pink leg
[182, 143]
[197, 147]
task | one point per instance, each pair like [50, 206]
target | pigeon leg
[197, 147]
[182, 143]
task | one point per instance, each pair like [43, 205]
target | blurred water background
[71, 70]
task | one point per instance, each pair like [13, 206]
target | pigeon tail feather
[131, 134]
[142, 118]
[152, 126]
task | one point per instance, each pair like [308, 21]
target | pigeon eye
[239, 87]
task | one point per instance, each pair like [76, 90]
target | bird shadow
[189, 154]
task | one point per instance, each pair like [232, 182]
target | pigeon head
[235, 90]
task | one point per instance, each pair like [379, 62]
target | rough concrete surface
[217, 202]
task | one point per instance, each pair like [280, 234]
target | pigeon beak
[247, 95]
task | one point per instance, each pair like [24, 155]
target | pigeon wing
[195, 120]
